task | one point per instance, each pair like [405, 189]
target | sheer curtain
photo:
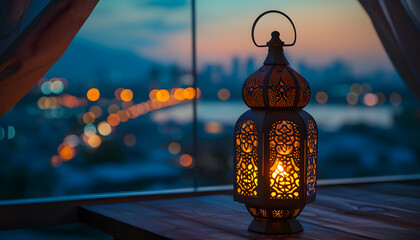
[27, 56]
[398, 26]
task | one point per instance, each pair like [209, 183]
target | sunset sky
[160, 30]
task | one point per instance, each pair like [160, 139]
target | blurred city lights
[381, 98]
[223, 94]
[352, 98]
[213, 127]
[66, 153]
[123, 114]
[104, 128]
[186, 160]
[55, 161]
[162, 95]
[89, 130]
[113, 108]
[174, 148]
[189, 93]
[96, 110]
[93, 94]
[126, 95]
[179, 94]
[88, 118]
[370, 99]
[72, 140]
[321, 97]
[117, 93]
[395, 99]
[94, 141]
[113, 119]
[130, 140]
[356, 88]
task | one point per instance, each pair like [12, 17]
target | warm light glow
[66, 153]
[88, 118]
[162, 95]
[130, 140]
[55, 161]
[186, 160]
[189, 93]
[94, 141]
[126, 95]
[123, 114]
[117, 93]
[213, 127]
[96, 110]
[174, 148]
[152, 94]
[104, 128]
[93, 94]
[352, 98]
[223, 94]
[395, 99]
[370, 99]
[179, 94]
[321, 97]
[113, 119]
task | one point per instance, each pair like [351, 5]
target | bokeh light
[72, 140]
[162, 95]
[123, 114]
[381, 98]
[117, 93]
[130, 140]
[321, 97]
[179, 94]
[395, 99]
[113, 119]
[55, 161]
[370, 99]
[126, 95]
[11, 132]
[356, 88]
[213, 127]
[104, 128]
[352, 98]
[113, 108]
[186, 160]
[152, 94]
[88, 118]
[189, 93]
[96, 110]
[174, 148]
[94, 141]
[89, 130]
[66, 153]
[93, 94]
[223, 94]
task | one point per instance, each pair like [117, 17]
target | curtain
[397, 24]
[27, 56]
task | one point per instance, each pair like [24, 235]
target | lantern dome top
[276, 84]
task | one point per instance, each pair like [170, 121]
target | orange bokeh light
[88, 117]
[186, 160]
[130, 140]
[152, 94]
[179, 94]
[67, 153]
[162, 95]
[113, 119]
[123, 114]
[189, 93]
[93, 94]
[94, 141]
[126, 95]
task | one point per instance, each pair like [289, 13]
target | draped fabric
[32, 53]
[397, 24]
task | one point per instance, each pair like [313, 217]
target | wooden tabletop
[367, 211]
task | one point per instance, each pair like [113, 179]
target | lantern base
[282, 227]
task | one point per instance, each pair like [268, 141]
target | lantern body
[275, 149]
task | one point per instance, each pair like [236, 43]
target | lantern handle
[267, 12]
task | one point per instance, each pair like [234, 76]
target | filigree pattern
[284, 141]
[246, 159]
[253, 88]
[311, 157]
[275, 213]
[305, 94]
[281, 88]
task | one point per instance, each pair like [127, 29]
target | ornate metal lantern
[275, 143]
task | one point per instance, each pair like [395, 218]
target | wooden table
[364, 211]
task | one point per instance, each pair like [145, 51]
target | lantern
[275, 143]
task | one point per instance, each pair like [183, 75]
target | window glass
[113, 114]
[367, 118]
